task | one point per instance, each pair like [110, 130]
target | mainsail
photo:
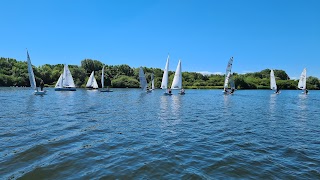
[92, 82]
[31, 74]
[303, 80]
[228, 75]
[143, 81]
[102, 77]
[152, 81]
[273, 84]
[164, 83]
[177, 80]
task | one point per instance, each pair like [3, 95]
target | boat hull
[65, 89]
[105, 90]
[40, 92]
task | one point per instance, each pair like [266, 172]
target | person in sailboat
[41, 85]
[182, 91]
[232, 91]
[306, 91]
[169, 90]
[277, 90]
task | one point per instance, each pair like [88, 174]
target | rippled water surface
[129, 134]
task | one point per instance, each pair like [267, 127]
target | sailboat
[303, 81]
[273, 84]
[229, 79]
[152, 81]
[165, 78]
[92, 82]
[102, 83]
[65, 81]
[143, 81]
[177, 80]
[32, 78]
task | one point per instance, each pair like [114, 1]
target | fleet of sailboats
[65, 81]
[92, 82]
[229, 79]
[303, 81]
[32, 78]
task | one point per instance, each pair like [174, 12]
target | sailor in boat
[41, 85]
[232, 91]
[169, 90]
[226, 91]
[306, 92]
[277, 90]
[182, 91]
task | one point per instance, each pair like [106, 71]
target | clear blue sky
[204, 34]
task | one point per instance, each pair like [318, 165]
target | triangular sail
[143, 81]
[31, 74]
[226, 81]
[273, 84]
[164, 83]
[303, 80]
[59, 83]
[228, 73]
[177, 80]
[67, 77]
[92, 82]
[102, 77]
[152, 81]
[95, 84]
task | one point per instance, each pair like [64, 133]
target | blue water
[127, 134]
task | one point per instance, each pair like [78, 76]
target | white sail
[228, 74]
[31, 74]
[92, 82]
[231, 80]
[177, 80]
[152, 81]
[226, 81]
[59, 84]
[164, 83]
[67, 77]
[143, 81]
[102, 77]
[303, 80]
[273, 84]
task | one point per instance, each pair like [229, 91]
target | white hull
[40, 92]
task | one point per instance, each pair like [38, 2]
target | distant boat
[65, 81]
[165, 78]
[273, 84]
[303, 81]
[152, 81]
[32, 78]
[92, 82]
[229, 79]
[143, 81]
[102, 83]
[177, 80]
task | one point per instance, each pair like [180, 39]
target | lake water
[128, 134]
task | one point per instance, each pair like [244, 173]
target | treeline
[15, 73]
